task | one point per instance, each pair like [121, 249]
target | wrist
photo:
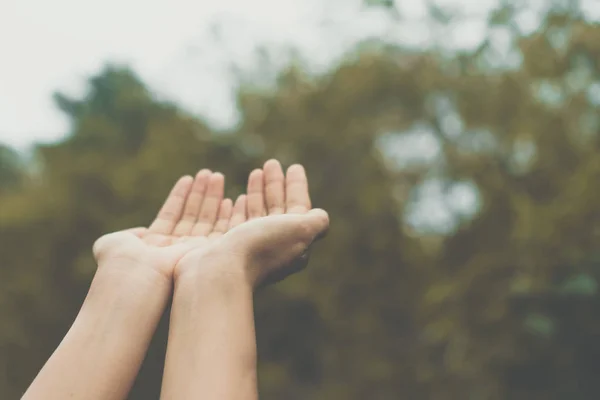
[137, 270]
[125, 293]
[213, 268]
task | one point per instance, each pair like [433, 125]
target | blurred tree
[11, 169]
[510, 309]
[485, 289]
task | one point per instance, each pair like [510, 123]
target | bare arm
[211, 352]
[212, 346]
[102, 352]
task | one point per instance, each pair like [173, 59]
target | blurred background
[455, 145]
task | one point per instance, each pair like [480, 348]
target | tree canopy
[498, 299]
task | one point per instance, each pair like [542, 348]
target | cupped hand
[193, 215]
[281, 226]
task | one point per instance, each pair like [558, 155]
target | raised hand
[193, 215]
[281, 226]
[255, 239]
[211, 352]
[103, 350]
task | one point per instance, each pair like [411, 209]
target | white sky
[54, 45]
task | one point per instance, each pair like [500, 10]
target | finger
[238, 215]
[256, 198]
[193, 204]
[222, 223]
[210, 206]
[171, 211]
[274, 187]
[296, 190]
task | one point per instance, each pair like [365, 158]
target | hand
[104, 348]
[280, 228]
[193, 215]
[211, 351]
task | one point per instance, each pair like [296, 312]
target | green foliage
[504, 305]
[12, 170]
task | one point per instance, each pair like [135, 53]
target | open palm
[281, 225]
[271, 226]
[193, 215]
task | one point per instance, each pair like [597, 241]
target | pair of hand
[210, 253]
[267, 231]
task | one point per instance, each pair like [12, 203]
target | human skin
[211, 351]
[102, 352]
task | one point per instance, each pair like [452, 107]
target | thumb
[316, 223]
[111, 239]
[319, 223]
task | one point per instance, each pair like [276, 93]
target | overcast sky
[53, 45]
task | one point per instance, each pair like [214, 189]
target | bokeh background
[454, 144]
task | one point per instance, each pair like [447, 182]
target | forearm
[211, 352]
[104, 348]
